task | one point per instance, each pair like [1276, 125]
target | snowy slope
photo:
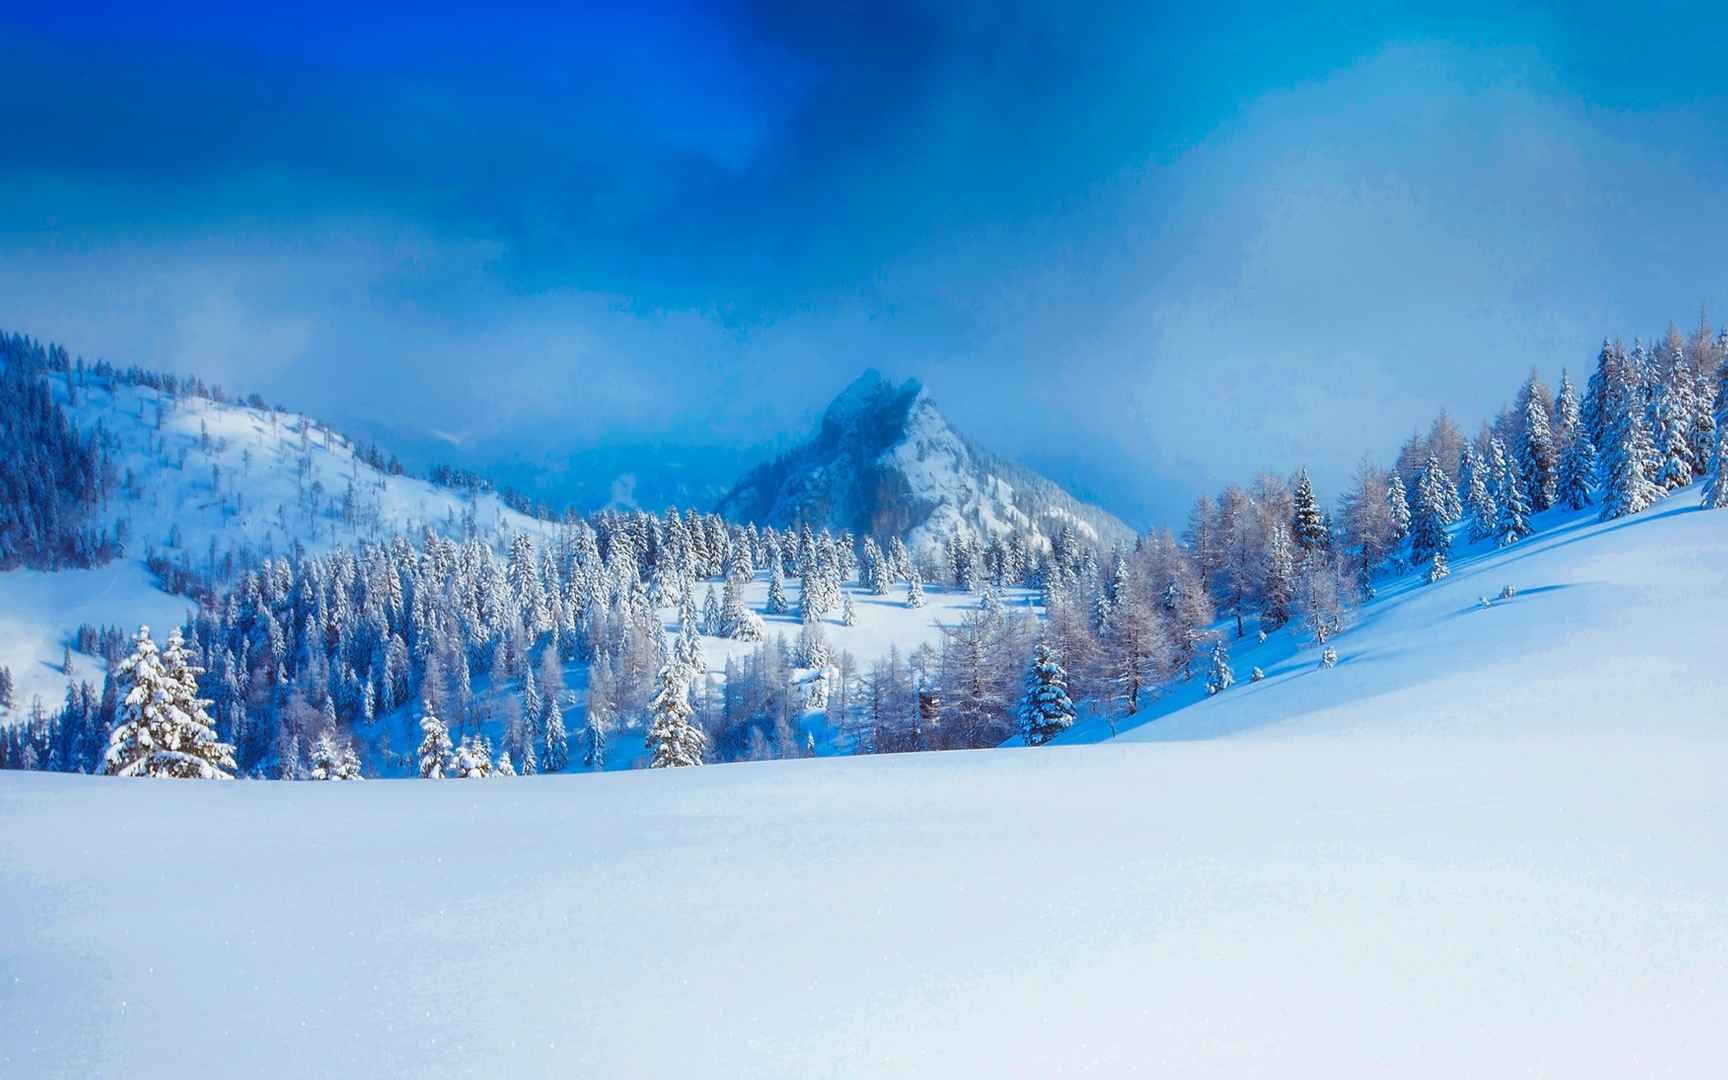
[886, 462]
[1612, 623]
[247, 479]
[1487, 843]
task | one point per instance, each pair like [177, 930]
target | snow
[257, 502]
[1487, 842]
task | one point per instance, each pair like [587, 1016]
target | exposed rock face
[886, 462]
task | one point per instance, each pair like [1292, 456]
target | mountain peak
[884, 461]
[870, 394]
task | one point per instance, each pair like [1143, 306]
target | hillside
[199, 483]
[1610, 631]
[1484, 832]
[884, 461]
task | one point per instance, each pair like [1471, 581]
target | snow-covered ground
[226, 473]
[1488, 843]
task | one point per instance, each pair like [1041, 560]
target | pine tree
[1671, 423]
[1438, 568]
[600, 711]
[673, 740]
[1221, 678]
[1428, 526]
[1577, 471]
[915, 591]
[1483, 514]
[776, 589]
[1513, 523]
[1307, 525]
[472, 759]
[1048, 711]
[848, 611]
[435, 748]
[1537, 460]
[1399, 507]
[555, 739]
[163, 729]
[1628, 458]
[333, 758]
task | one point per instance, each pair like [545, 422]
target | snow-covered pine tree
[435, 748]
[1568, 410]
[1481, 512]
[1707, 403]
[600, 712]
[1221, 678]
[1627, 457]
[899, 560]
[1048, 711]
[1577, 480]
[673, 739]
[163, 729]
[1671, 422]
[1513, 523]
[1399, 506]
[915, 590]
[473, 759]
[554, 739]
[1438, 568]
[1428, 523]
[776, 589]
[333, 757]
[1307, 525]
[712, 624]
[848, 610]
[812, 644]
[1537, 459]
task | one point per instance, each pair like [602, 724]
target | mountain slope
[200, 481]
[884, 461]
[1486, 830]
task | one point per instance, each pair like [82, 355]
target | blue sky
[1148, 251]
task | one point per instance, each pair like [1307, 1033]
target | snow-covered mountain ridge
[884, 461]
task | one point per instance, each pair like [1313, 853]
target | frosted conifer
[1577, 479]
[1513, 524]
[1048, 710]
[162, 729]
[673, 739]
[1399, 506]
[435, 748]
[1221, 678]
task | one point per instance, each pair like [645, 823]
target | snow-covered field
[1490, 842]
